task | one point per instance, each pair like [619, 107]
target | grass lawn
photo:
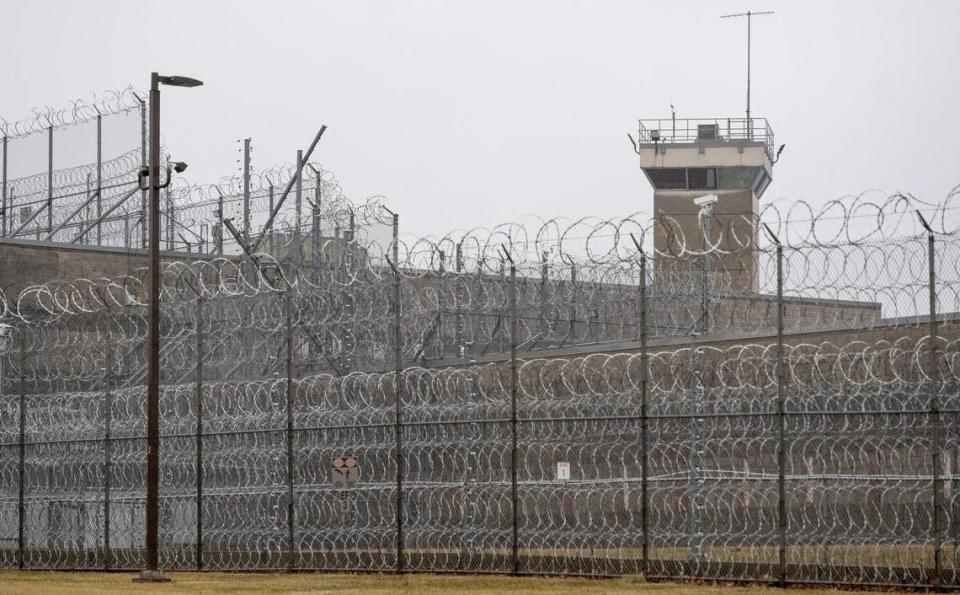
[12, 582]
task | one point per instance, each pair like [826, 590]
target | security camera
[6, 337]
[179, 167]
[706, 201]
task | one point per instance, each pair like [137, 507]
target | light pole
[152, 572]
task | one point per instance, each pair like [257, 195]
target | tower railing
[692, 130]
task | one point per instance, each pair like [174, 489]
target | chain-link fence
[557, 399]
[70, 175]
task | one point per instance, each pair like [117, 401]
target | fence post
[934, 364]
[781, 424]
[246, 189]
[441, 303]
[99, 179]
[513, 412]
[315, 232]
[544, 284]
[22, 412]
[50, 179]
[398, 388]
[5, 205]
[270, 237]
[291, 521]
[573, 303]
[458, 298]
[219, 223]
[644, 374]
[171, 213]
[199, 446]
[349, 301]
[107, 446]
[143, 194]
[644, 449]
[298, 201]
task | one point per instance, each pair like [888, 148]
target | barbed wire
[79, 112]
[609, 389]
[710, 410]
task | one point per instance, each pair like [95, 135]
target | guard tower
[687, 159]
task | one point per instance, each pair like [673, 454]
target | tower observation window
[709, 178]
[738, 177]
[669, 178]
[702, 178]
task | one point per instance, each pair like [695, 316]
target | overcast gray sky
[467, 114]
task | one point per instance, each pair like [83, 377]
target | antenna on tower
[749, 15]
[673, 121]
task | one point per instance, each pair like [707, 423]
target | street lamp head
[179, 81]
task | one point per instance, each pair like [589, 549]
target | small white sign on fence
[563, 471]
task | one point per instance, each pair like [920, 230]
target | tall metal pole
[749, 15]
[153, 341]
[398, 387]
[513, 416]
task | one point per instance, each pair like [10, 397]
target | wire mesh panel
[127, 478]
[579, 466]
[70, 174]
[345, 499]
[456, 461]
[564, 400]
[63, 482]
[245, 514]
[344, 473]
[949, 533]
[9, 506]
[579, 497]
[860, 499]
[713, 466]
